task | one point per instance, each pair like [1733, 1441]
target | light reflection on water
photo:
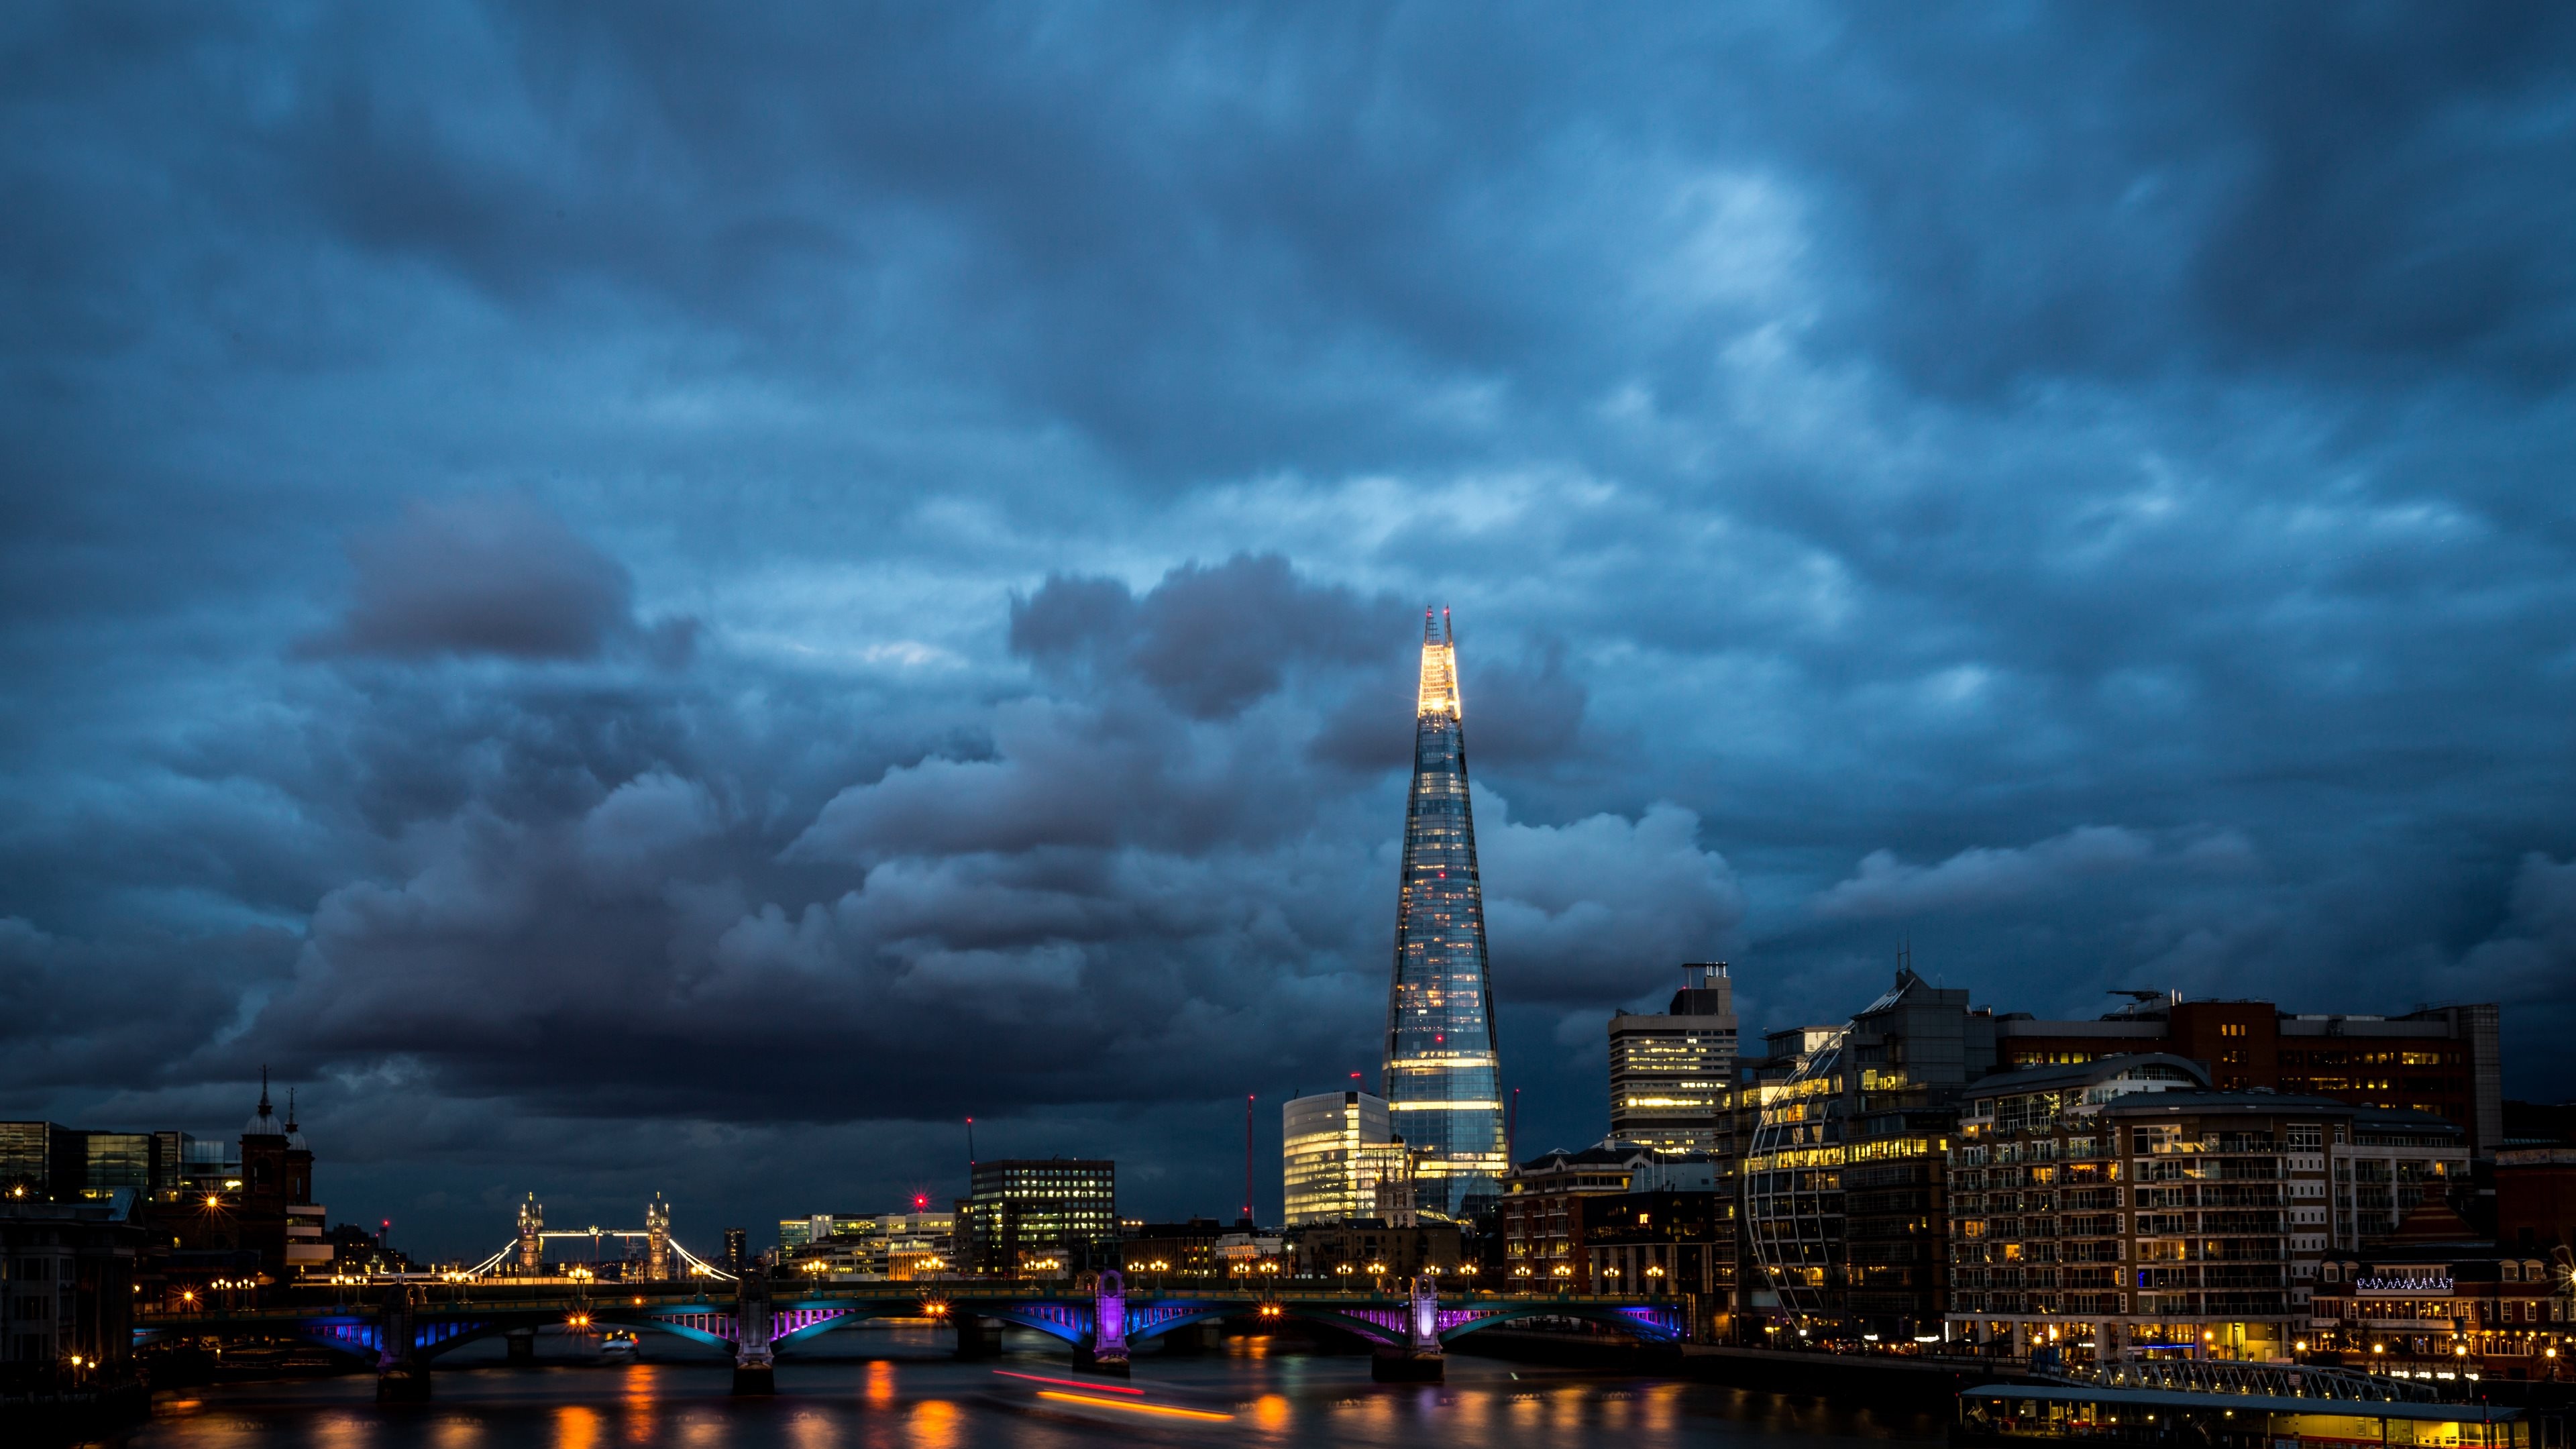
[920, 1399]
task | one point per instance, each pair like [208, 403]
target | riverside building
[1844, 1174]
[1443, 1072]
[1669, 1073]
[2122, 1207]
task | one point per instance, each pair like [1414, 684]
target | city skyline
[625, 640]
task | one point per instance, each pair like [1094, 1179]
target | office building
[2440, 1060]
[68, 1279]
[1843, 1178]
[1040, 1217]
[27, 1159]
[1669, 1073]
[1329, 1171]
[1443, 1072]
[44, 1160]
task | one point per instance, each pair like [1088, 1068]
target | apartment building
[2122, 1206]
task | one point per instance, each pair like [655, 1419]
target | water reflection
[639, 1385]
[908, 1394]
[934, 1424]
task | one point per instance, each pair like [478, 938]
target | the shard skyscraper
[1443, 1076]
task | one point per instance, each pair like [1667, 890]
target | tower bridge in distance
[410, 1323]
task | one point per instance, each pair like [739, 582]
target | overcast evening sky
[642, 598]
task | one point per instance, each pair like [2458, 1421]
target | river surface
[897, 1388]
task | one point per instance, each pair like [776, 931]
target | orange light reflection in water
[1664, 1408]
[934, 1424]
[643, 1388]
[456, 1432]
[576, 1427]
[813, 1431]
[879, 1389]
[343, 1431]
[1270, 1411]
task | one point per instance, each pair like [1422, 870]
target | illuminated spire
[1439, 693]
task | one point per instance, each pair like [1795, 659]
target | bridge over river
[401, 1326]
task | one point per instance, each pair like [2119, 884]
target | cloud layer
[654, 602]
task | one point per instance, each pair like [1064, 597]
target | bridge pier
[754, 1365]
[401, 1378]
[1105, 1352]
[977, 1337]
[1421, 1359]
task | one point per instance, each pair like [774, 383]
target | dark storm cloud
[487, 576]
[626, 590]
[1210, 641]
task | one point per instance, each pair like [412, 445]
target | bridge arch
[1647, 1324]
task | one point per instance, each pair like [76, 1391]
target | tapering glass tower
[1442, 1072]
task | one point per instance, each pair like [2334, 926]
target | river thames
[896, 1388]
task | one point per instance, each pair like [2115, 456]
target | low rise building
[1367, 1249]
[1182, 1253]
[1666, 1244]
[2434, 1300]
[894, 1246]
[1541, 1213]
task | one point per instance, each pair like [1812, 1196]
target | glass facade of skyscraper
[1329, 1172]
[1443, 1074]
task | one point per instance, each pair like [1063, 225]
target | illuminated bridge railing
[2281, 1381]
